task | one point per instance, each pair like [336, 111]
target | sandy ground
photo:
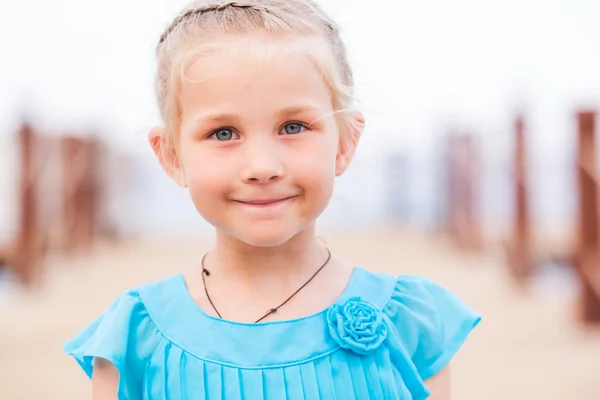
[529, 345]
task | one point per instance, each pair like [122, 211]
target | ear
[349, 136]
[166, 154]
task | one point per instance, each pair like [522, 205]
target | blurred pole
[71, 151]
[519, 246]
[110, 183]
[463, 223]
[587, 254]
[79, 193]
[89, 194]
[26, 255]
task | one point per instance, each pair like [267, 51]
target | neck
[295, 259]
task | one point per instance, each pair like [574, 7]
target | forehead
[250, 71]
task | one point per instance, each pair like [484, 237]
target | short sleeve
[124, 335]
[431, 322]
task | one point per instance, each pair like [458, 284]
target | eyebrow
[285, 112]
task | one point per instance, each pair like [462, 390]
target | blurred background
[478, 169]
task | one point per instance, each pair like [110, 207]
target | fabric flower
[357, 325]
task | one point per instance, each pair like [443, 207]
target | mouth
[269, 202]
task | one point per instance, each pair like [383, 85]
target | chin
[266, 236]
[268, 239]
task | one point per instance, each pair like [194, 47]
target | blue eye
[293, 128]
[223, 135]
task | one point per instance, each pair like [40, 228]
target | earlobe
[167, 156]
[349, 137]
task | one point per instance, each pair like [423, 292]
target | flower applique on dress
[357, 325]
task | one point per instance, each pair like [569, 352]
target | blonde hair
[203, 21]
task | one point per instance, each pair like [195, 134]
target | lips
[265, 201]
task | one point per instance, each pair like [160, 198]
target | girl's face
[259, 144]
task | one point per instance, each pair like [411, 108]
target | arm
[105, 380]
[439, 385]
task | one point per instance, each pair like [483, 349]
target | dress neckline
[252, 345]
[203, 314]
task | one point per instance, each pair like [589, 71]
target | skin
[259, 148]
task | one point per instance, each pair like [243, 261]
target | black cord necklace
[272, 310]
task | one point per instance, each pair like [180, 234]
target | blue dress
[381, 339]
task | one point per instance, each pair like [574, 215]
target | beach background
[423, 70]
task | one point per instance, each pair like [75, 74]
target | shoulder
[125, 334]
[131, 310]
[428, 323]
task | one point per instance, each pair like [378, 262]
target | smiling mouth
[265, 202]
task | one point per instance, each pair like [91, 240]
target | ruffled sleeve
[126, 336]
[431, 323]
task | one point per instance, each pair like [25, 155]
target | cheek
[204, 176]
[316, 173]
[320, 154]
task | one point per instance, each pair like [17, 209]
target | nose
[261, 163]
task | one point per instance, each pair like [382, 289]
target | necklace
[272, 310]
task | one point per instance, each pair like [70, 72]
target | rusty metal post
[588, 251]
[26, 258]
[71, 169]
[88, 194]
[519, 247]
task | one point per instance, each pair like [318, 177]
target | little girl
[256, 99]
